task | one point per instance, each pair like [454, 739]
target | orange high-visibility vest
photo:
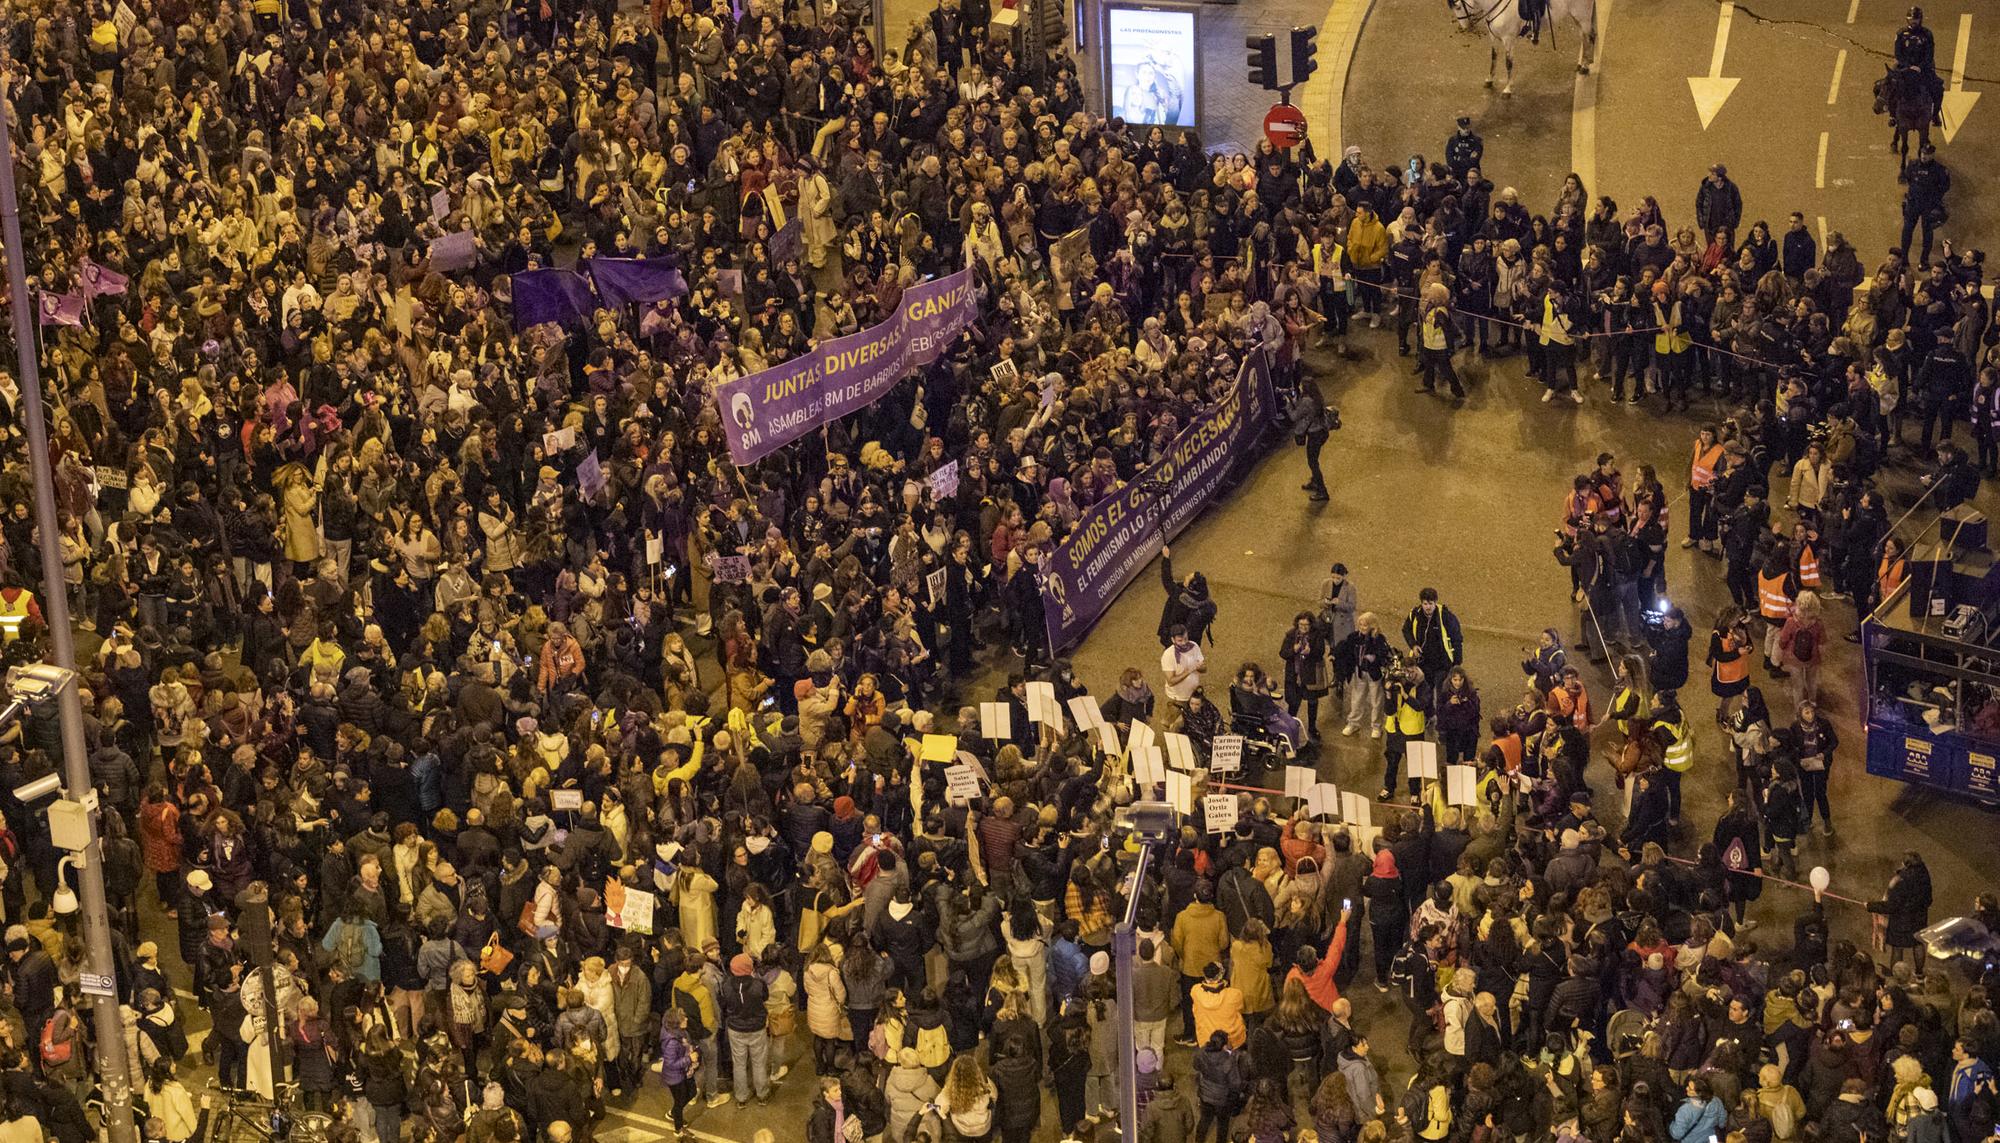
[1702, 473]
[1808, 568]
[1732, 665]
[1772, 602]
[1889, 576]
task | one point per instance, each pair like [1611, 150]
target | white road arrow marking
[1958, 101]
[1711, 90]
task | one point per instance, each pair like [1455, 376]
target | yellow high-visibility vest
[1680, 751]
[14, 613]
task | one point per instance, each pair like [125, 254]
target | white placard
[1180, 792]
[1225, 756]
[1354, 808]
[1422, 757]
[565, 799]
[1219, 810]
[637, 911]
[961, 782]
[937, 585]
[559, 441]
[655, 548]
[1147, 768]
[1298, 779]
[996, 720]
[1043, 707]
[1087, 713]
[1323, 800]
[1140, 735]
[1107, 737]
[1460, 785]
[1180, 751]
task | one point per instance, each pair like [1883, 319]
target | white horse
[1504, 25]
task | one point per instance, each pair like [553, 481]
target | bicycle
[245, 1117]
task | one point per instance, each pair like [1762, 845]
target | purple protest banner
[764, 411]
[561, 296]
[625, 281]
[1118, 536]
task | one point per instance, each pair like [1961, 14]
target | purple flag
[62, 309]
[560, 296]
[98, 281]
[625, 281]
[764, 411]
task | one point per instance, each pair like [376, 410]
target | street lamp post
[95, 917]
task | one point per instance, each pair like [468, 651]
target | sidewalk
[1232, 111]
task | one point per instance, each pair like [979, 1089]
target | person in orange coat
[1316, 971]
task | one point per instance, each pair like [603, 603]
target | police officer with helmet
[1915, 46]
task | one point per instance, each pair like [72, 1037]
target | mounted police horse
[1504, 22]
[1911, 97]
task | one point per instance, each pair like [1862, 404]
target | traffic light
[1305, 53]
[1263, 61]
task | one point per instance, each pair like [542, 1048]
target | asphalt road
[1464, 500]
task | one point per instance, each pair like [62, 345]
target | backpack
[1804, 645]
[697, 1029]
[1784, 1125]
[351, 948]
[58, 1039]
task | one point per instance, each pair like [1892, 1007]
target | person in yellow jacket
[1673, 349]
[1555, 347]
[1440, 338]
[1336, 291]
[1407, 701]
[1250, 970]
[1367, 253]
[1199, 936]
[1217, 1006]
[1670, 726]
[20, 613]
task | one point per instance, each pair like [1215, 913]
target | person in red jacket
[1316, 971]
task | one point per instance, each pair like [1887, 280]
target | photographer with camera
[1594, 558]
[1408, 696]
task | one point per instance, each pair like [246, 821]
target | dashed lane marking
[1839, 66]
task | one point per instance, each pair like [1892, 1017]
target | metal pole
[1124, 952]
[93, 913]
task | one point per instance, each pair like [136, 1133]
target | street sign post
[1285, 126]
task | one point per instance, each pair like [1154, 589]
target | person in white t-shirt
[1183, 664]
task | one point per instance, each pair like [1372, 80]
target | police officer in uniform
[1463, 151]
[1915, 46]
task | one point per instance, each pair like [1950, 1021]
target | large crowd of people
[529, 807]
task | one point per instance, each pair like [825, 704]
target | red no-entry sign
[1285, 126]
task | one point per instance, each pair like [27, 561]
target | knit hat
[822, 842]
[741, 965]
[1100, 963]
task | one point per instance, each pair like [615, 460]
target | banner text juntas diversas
[765, 411]
[1121, 534]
